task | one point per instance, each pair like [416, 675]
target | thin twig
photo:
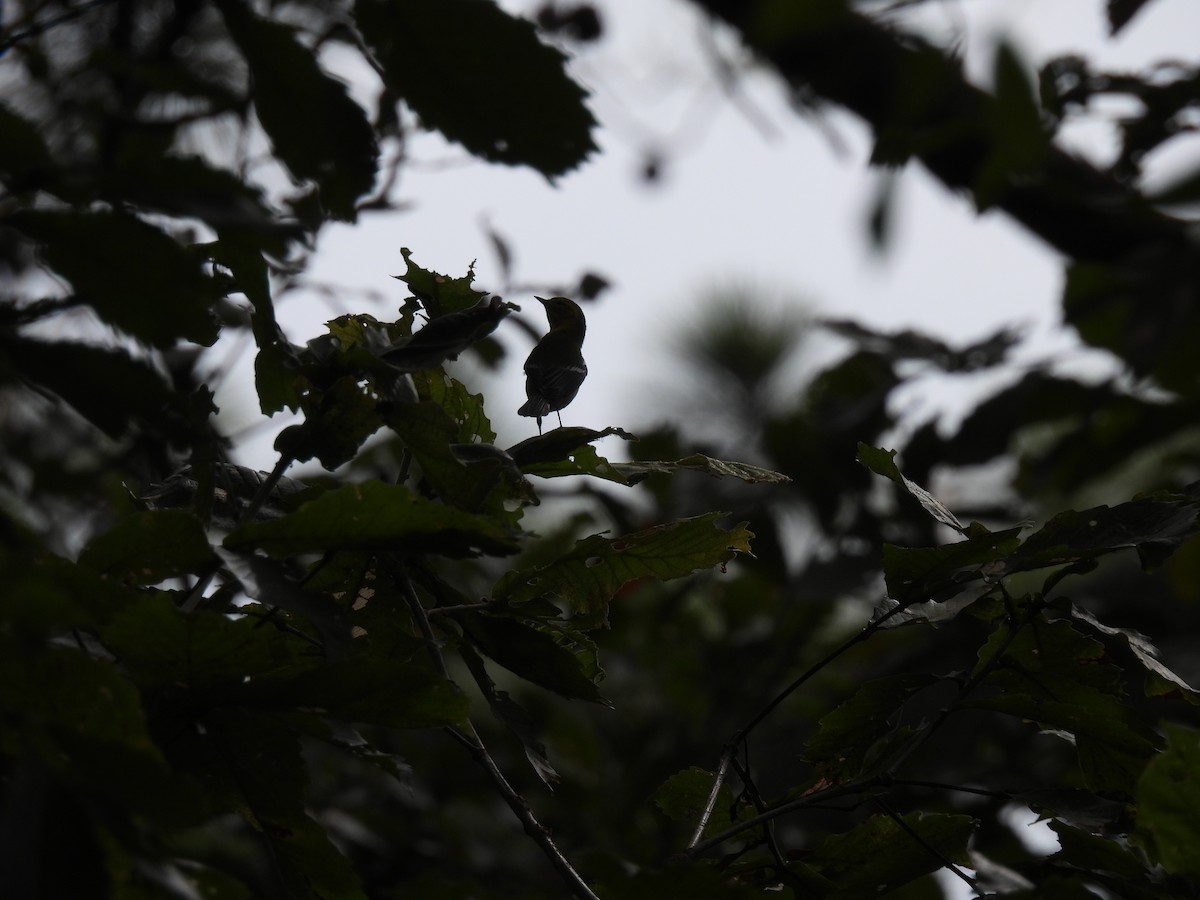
[938, 854]
[814, 799]
[730, 748]
[474, 743]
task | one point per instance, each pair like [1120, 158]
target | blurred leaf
[314, 126]
[85, 720]
[1019, 142]
[252, 764]
[134, 276]
[107, 387]
[384, 516]
[190, 187]
[483, 79]
[879, 853]
[131, 273]
[25, 159]
[856, 735]
[589, 576]
[1182, 189]
[149, 547]
[205, 653]
[1168, 796]
[1120, 12]
[377, 691]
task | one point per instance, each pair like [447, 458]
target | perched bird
[555, 368]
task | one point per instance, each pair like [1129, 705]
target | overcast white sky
[780, 204]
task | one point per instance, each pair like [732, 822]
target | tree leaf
[375, 515]
[879, 853]
[108, 387]
[1168, 796]
[1153, 525]
[534, 654]
[25, 160]
[1160, 681]
[914, 573]
[211, 656]
[134, 276]
[883, 462]
[377, 691]
[315, 128]
[684, 795]
[586, 578]
[438, 294]
[252, 763]
[1054, 675]
[849, 738]
[483, 79]
[149, 547]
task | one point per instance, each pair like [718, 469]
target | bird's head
[562, 312]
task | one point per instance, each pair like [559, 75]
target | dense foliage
[801, 672]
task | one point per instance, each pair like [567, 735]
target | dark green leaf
[135, 276]
[1090, 852]
[315, 128]
[377, 691]
[534, 654]
[107, 387]
[589, 576]
[148, 547]
[438, 294]
[24, 157]
[1154, 525]
[1168, 797]
[883, 462]
[855, 735]
[879, 853]
[204, 652]
[252, 764]
[913, 573]
[375, 515]
[483, 79]
[1053, 675]
[1160, 681]
[684, 796]
[268, 582]
[276, 363]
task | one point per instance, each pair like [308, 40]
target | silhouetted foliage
[227, 683]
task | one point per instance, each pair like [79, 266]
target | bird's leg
[557, 413]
